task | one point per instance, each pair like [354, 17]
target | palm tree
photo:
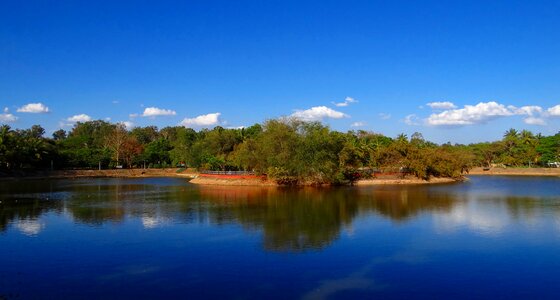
[511, 134]
[402, 138]
[527, 137]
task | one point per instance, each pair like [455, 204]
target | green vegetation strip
[288, 151]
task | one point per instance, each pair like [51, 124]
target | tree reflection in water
[22, 204]
[312, 218]
[291, 219]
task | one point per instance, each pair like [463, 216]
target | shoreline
[200, 180]
[406, 181]
[195, 178]
[365, 182]
[515, 172]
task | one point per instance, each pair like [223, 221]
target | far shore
[112, 173]
[516, 171]
[193, 176]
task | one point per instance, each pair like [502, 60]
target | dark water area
[491, 237]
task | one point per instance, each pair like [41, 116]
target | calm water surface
[493, 237]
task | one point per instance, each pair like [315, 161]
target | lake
[490, 237]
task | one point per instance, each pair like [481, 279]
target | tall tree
[116, 140]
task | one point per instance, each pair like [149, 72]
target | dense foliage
[287, 150]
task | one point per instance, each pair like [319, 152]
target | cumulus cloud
[7, 117]
[79, 118]
[155, 112]
[202, 120]
[530, 110]
[486, 111]
[441, 105]
[470, 114]
[554, 111]
[534, 114]
[34, 108]
[358, 124]
[318, 113]
[346, 102]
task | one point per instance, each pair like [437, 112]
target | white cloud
[132, 116]
[554, 111]
[7, 117]
[108, 119]
[6, 110]
[441, 105]
[347, 101]
[79, 118]
[129, 125]
[350, 100]
[115, 102]
[318, 113]
[486, 111]
[534, 121]
[34, 108]
[154, 112]
[202, 120]
[411, 120]
[527, 110]
[384, 116]
[358, 124]
[236, 127]
[471, 114]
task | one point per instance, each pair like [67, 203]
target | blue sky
[459, 71]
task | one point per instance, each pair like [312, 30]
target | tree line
[287, 150]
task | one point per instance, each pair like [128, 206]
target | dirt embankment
[203, 180]
[232, 181]
[517, 171]
[405, 181]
